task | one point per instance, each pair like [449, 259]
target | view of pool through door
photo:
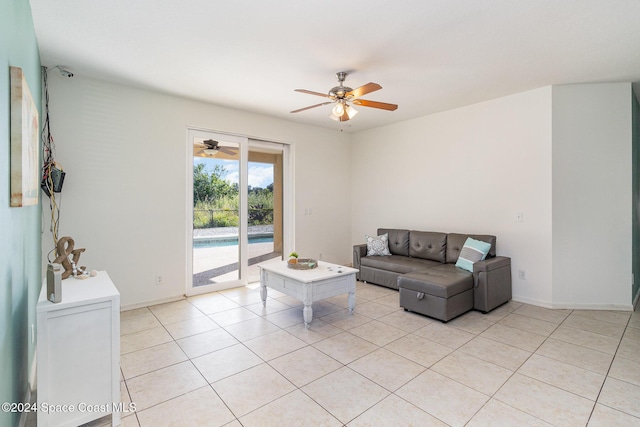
[236, 210]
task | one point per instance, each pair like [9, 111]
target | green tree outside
[216, 201]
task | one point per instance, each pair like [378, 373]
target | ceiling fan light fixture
[338, 110]
[351, 112]
[343, 96]
[210, 151]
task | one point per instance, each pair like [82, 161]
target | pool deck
[219, 264]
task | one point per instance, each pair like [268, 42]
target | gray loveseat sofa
[422, 267]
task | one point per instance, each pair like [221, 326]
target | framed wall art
[25, 187]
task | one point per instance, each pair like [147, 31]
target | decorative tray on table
[303, 264]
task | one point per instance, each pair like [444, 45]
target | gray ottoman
[442, 294]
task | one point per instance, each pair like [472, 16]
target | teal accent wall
[635, 135]
[20, 239]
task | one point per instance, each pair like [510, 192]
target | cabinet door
[79, 360]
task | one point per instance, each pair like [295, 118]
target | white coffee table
[325, 281]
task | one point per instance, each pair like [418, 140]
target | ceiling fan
[211, 148]
[342, 95]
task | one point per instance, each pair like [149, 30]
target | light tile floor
[222, 359]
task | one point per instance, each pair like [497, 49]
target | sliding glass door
[236, 209]
[265, 205]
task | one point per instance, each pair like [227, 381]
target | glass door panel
[264, 200]
[217, 211]
[236, 202]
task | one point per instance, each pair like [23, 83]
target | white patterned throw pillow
[378, 246]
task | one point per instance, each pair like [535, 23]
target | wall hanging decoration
[52, 173]
[25, 183]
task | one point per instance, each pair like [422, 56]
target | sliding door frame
[288, 226]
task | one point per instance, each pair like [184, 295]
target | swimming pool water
[215, 242]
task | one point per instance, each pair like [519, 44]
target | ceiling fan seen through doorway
[342, 96]
[211, 148]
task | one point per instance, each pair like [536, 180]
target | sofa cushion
[472, 252]
[398, 240]
[397, 263]
[378, 246]
[428, 245]
[441, 283]
[455, 242]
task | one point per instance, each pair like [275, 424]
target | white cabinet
[78, 353]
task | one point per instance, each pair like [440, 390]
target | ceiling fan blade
[312, 106]
[375, 104]
[310, 92]
[228, 150]
[364, 89]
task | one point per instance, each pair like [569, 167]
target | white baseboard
[576, 306]
[193, 292]
[610, 307]
[152, 302]
[539, 303]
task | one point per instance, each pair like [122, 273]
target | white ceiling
[428, 55]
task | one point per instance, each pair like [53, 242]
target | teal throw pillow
[472, 251]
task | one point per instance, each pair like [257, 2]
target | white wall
[466, 170]
[592, 195]
[124, 197]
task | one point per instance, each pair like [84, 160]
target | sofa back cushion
[455, 242]
[398, 240]
[428, 245]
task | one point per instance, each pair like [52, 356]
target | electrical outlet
[522, 275]
[159, 281]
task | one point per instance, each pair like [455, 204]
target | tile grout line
[609, 370]
[493, 396]
[378, 347]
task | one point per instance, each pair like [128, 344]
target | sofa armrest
[358, 252]
[492, 283]
[491, 264]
